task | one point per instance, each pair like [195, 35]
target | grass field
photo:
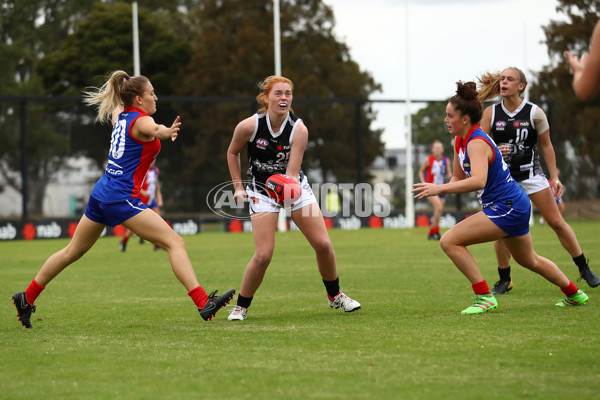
[120, 326]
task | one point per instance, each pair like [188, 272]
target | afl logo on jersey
[262, 143]
[500, 124]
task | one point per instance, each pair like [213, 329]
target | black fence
[40, 132]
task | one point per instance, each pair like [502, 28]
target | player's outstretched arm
[586, 71]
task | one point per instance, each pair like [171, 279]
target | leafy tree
[234, 51]
[30, 29]
[77, 45]
[188, 48]
[101, 44]
[428, 126]
[574, 125]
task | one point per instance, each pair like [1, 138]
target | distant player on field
[436, 169]
[517, 126]
[478, 165]
[135, 142]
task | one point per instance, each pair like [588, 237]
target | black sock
[332, 287]
[244, 301]
[580, 261]
[504, 274]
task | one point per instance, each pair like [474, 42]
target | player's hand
[558, 188]
[423, 190]
[504, 150]
[240, 196]
[174, 129]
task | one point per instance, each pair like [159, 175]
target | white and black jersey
[268, 151]
[517, 129]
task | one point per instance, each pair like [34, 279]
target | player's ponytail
[119, 90]
[489, 83]
[466, 101]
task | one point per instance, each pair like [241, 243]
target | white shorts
[535, 184]
[262, 203]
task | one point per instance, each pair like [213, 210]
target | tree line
[189, 49]
[222, 49]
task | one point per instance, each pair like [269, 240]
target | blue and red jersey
[500, 185]
[128, 160]
[436, 170]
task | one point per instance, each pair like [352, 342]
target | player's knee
[173, 242]
[446, 243]
[323, 247]
[556, 222]
[263, 258]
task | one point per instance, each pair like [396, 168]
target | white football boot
[238, 313]
[344, 302]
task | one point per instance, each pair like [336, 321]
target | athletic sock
[504, 274]
[569, 290]
[431, 231]
[33, 291]
[199, 296]
[481, 288]
[125, 239]
[580, 261]
[332, 287]
[436, 229]
[244, 301]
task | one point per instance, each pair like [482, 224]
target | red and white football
[283, 188]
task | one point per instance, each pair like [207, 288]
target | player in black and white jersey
[268, 152]
[276, 140]
[517, 126]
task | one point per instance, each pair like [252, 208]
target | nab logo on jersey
[262, 143]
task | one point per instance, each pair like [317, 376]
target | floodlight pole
[136, 39]
[277, 37]
[282, 220]
[410, 202]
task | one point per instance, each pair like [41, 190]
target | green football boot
[481, 304]
[578, 299]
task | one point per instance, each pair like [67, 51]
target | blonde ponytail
[489, 85]
[107, 97]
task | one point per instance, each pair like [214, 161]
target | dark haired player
[478, 166]
[517, 126]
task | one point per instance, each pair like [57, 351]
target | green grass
[120, 326]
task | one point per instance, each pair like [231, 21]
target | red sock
[481, 287]
[33, 291]
[199, 296]
[332, 298]
[436, 229]
[569, 290]
[431, 230]
[125, 239]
